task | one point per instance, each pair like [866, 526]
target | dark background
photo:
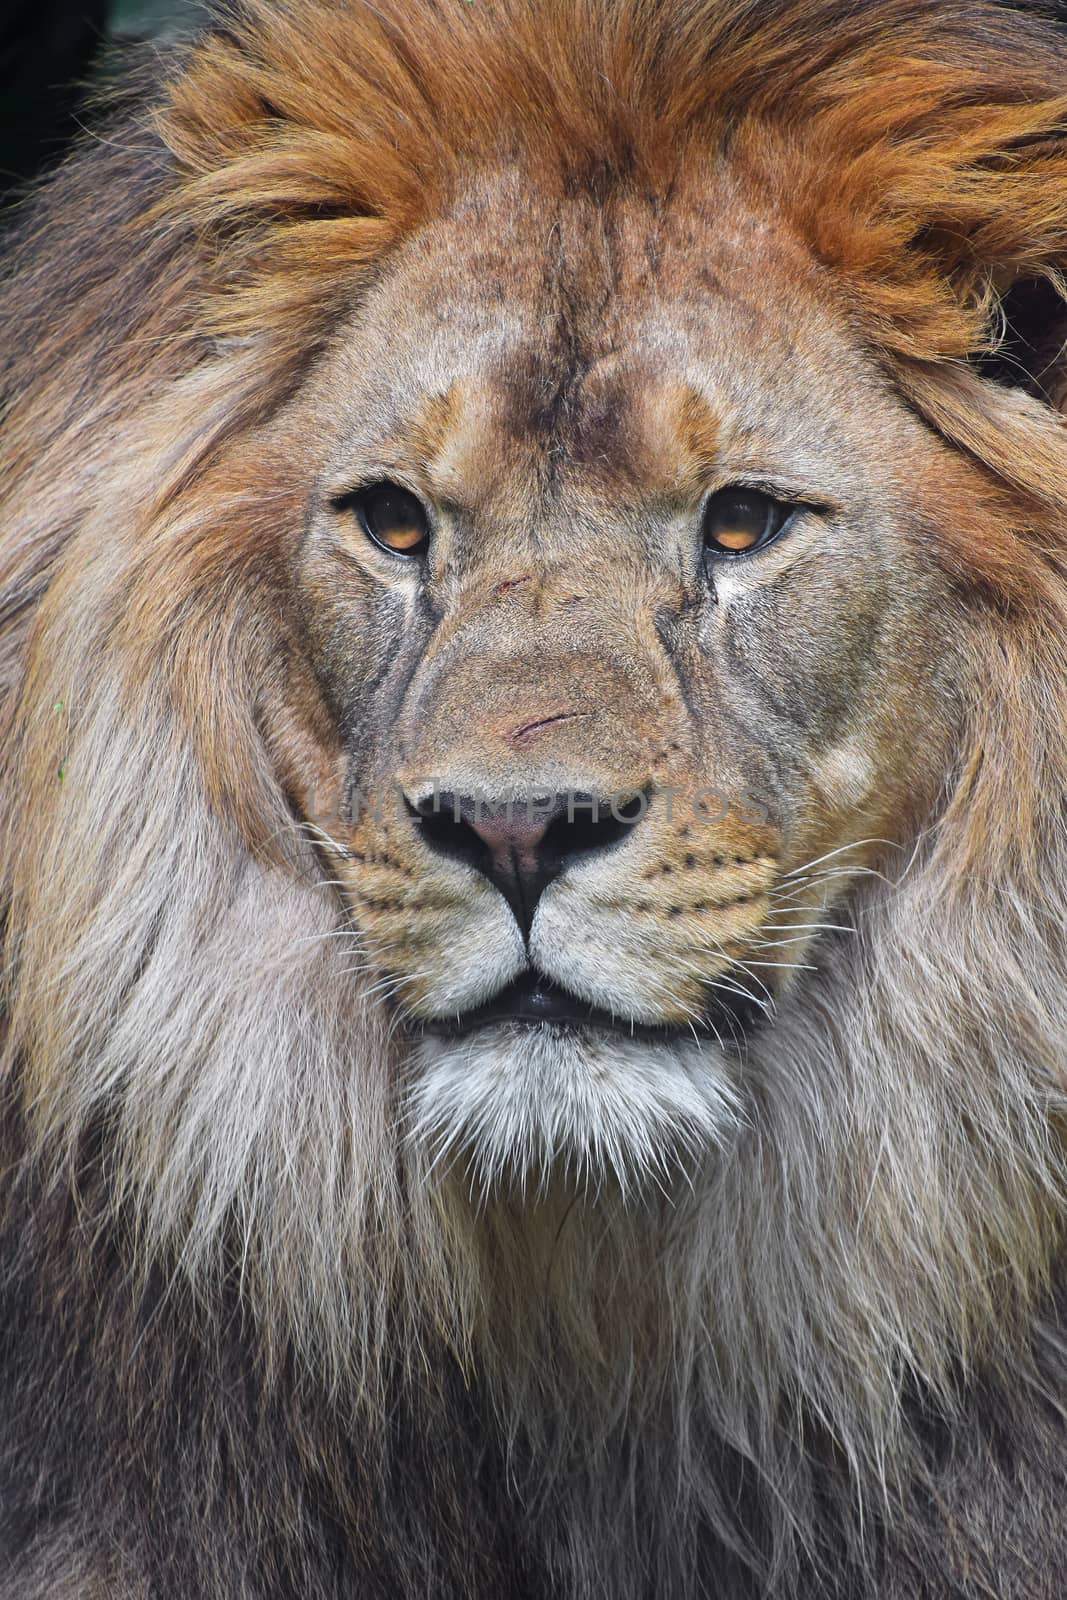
[50, 51]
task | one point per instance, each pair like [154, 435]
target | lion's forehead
[631, 347]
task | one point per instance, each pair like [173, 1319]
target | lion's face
[588, 412]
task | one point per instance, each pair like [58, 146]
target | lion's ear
[1010, 427]
[1030, 352]
[1005, 401]
[939, 201]
[969, 298]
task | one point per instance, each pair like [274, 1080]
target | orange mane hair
[918, 149]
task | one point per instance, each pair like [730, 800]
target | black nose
[521, 845]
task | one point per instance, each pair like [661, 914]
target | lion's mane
[206, 1184]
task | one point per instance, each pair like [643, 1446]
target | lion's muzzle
[521, 844]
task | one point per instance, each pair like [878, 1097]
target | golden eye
[393, 518]
[738, 521]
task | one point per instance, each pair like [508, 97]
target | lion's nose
[521, 845]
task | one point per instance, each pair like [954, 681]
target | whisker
[857, 844]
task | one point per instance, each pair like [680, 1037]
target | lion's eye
[393, 518]
[737, 521]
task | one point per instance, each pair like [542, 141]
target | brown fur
[298, 1298]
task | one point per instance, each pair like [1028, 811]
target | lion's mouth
[532, 1000]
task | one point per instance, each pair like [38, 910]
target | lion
[534, 873]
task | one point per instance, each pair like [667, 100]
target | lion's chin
[519, 1102]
